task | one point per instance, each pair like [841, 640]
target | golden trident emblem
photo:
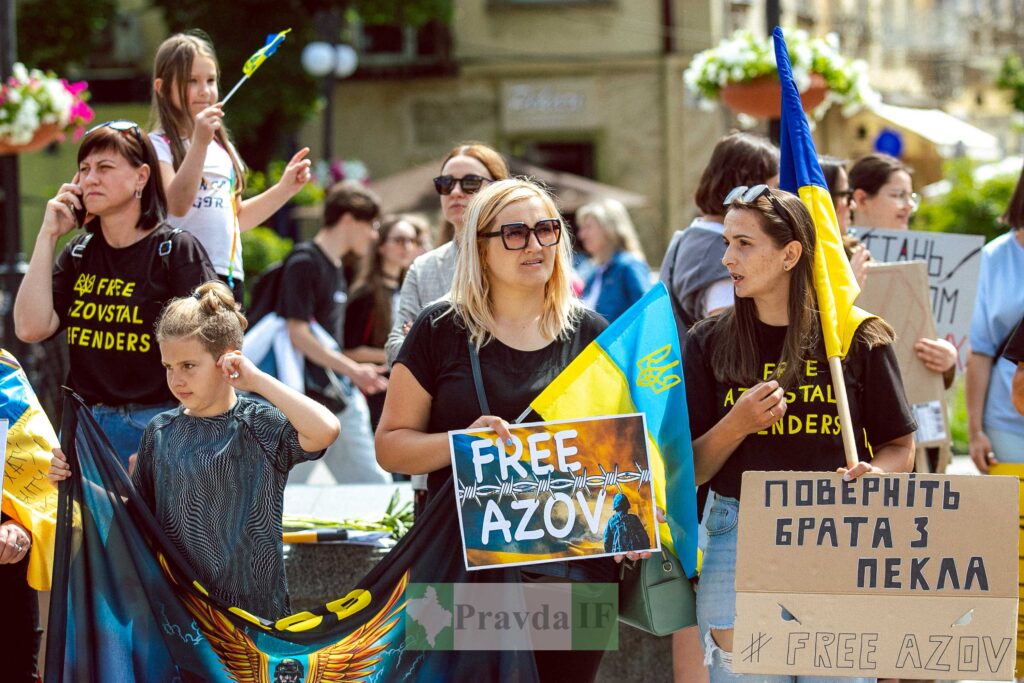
[653, 375]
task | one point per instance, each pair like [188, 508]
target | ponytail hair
[211, 315]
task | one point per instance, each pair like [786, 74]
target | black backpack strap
[164, 250]
[77, 251]
[478, 378]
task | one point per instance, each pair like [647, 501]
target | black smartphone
[80, 216]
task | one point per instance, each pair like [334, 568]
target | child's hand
[297, 173]
[59, 468]
[239, 371]
[207, 124]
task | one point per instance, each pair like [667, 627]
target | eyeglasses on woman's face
[903, 197]
[515, 236]
[470, 183]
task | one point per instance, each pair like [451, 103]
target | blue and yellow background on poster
[562, 490]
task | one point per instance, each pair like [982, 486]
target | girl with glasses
[621, 275]
[466, 170]
[110, 282]
[761, 370]
[885, 198]
[371, 308]
[512, 305]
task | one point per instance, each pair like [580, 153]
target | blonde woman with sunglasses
[511, 305]
[110, 282]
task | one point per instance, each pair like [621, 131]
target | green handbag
[655, 595]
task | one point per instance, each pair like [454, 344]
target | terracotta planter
[44, 135]
[762, 98]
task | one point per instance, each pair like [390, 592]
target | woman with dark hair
[371, 308]
[883, 193]
[468, 168]
[109, 284]
[883, 197]
[995, 429]
[692, 268]
[759, 364]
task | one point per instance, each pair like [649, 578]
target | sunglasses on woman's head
[471, 184]
[751, 194]
[120, 125]
[515, 236]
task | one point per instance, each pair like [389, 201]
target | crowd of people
[150, 296]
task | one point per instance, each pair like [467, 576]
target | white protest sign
[902, 576]
[953, 262]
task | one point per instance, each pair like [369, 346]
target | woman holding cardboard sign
[767, 402]
[512, 306]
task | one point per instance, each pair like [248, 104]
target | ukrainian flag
[28, 496]
[800, 174]
[635, 366]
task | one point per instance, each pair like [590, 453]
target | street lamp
[326, 61]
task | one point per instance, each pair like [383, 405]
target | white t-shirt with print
[212, 215]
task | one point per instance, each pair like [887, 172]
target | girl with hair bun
[213, 470]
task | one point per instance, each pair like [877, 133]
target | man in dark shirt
[312, 297]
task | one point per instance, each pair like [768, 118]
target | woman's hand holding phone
[66, 211]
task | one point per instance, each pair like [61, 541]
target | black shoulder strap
[164, 250]
[478, 378]
[78, 251]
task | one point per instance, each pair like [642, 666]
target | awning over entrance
[412, 190]
[951, 136]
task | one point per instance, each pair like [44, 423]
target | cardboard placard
[549, 495]
[953, 262]
[898, 293]
[901, 575]
[1017, 472]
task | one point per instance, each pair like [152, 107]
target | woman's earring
[138, 193]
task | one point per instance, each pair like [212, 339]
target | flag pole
[835, 364]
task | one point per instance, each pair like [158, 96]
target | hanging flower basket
[741, 73]
[762, 97]
[37, 108]
[43, 136]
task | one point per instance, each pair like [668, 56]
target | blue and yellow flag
[127, 607]
[28, 496]
[635, 366]
[256, 60]
[800, 174]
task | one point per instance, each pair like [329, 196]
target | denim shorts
[716, 596]
[124, 425]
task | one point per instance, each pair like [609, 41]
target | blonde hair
[615, 223]
[470, 293]
[211, 315]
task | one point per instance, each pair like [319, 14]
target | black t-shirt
[109, 300]
[808, 437]
[313, 288]
[437, 354]
[361, 318]
[1014, 350]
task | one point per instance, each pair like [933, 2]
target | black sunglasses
[471, 184]
[516, 236]
[848, 194]
[120, 125]
[751, 194]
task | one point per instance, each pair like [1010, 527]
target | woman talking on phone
[110, 282]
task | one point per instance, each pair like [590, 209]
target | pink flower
[75, 88]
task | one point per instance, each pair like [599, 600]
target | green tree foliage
[969, 207]
[56, 35]
[281, 96]
[1011, 77]
[262, 248]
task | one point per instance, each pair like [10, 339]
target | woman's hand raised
[760, 406]
[59, 218]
